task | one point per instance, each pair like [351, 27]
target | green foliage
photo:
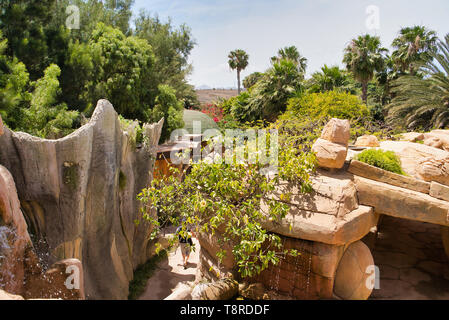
[14, 80]
[252, 79]
[45, 117]
[225, 200]
[414, 46]
[172, 47]
[332, 104]
[386, 160]
[363, 57]
[423, 103]
[116, 67]
[291, 54]
[331, 78]
[268, 97]
[169, 107]
[143, 273]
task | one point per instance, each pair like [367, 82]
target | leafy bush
[386, 160]
[252, 79]
[334, 104]
[226, 199]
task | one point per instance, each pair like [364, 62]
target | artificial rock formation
[367, 141]
[78, 195]
[331, 149]
[328, 225]
[15, 242]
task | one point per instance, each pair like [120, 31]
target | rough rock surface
[437, 139]
[337, 131]
[223, 289]
[412, 153]
[351, 277]
[79, 195]
[332, 148]
[402, 203]
[434, 169]
[15, 242]
[367, 141]
[8, 296]
[367, 171]
[412, 136]
[329, 154]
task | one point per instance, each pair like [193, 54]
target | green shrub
[332, 104]
[386, 160]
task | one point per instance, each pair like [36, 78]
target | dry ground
[211, 96]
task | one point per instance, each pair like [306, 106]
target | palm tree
[363, 57]
[330, 78]
[413, 47]
[292, 54]
[238, 60]
[423, 102]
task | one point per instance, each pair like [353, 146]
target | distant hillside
[211, 96]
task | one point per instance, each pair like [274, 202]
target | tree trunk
[238, 80]
[365, 92]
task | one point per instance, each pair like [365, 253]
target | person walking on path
[186, 243]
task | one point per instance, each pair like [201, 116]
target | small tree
[238, 60]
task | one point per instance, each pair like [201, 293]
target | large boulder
[332, 148]
[354, 269]
[330, 155]
[337, 131]
[367, 141]
[79, 195]
[434, 169]
[437, 139]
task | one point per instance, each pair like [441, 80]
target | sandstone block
[329, 154]
[402, 203]
[337, 131]
[439, 191]
[434, 169]
[367, 171]
[367, 141]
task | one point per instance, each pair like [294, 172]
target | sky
[320, 29]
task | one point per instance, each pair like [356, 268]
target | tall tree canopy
[424, 102]
[413, 47]
[363, 57]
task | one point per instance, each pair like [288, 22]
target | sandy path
[169, 273]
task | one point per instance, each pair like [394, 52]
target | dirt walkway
[170, 273]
